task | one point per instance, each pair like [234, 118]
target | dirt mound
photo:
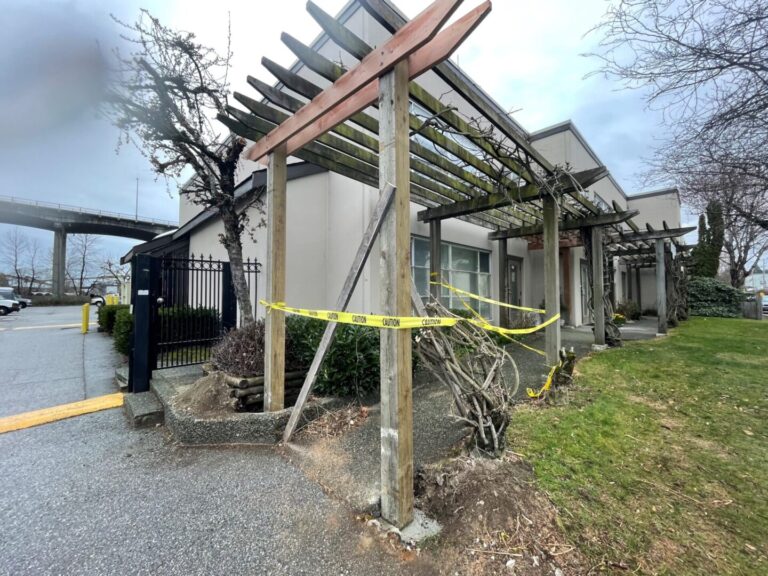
[494, 521]
[208, 396]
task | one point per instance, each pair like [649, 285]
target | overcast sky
[528, 56]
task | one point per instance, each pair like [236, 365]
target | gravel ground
[90, 496]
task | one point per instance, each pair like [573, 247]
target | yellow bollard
[86, 318]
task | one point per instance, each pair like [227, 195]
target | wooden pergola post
[638, 280]
[661, 287]
[598, 285]
[396, 398]
[435, 257]
[503, 286]
[552, 277]
[274, 341]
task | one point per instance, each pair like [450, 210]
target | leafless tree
[14, 246]
[170, 88]
[120, 273]
[705, 64]
[81, 260]
[34, 264]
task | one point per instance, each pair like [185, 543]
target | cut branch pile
[481, 375]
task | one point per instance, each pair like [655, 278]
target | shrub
[122, 331]
[629, 309]
[68, 300]
[192, 322]
[241, 352]
[619, 319]
[710, 297]
[351, 367]
[107, 316]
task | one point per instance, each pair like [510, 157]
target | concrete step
[121, 377]
[143, 410]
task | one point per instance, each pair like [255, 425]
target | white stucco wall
[656, 208]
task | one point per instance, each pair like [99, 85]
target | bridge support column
[59, 262]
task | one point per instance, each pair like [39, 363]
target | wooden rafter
[654, 235]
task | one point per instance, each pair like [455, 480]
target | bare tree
[120, 273]
[15, 245]
[170, 88]
[33, 264]
[81, 260]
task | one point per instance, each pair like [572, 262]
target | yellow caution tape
[487, 300]
[547, 384]
[373, 320]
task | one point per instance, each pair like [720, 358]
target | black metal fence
[182, 308]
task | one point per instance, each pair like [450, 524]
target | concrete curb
[233, 428]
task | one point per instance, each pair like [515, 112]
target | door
[586, 311]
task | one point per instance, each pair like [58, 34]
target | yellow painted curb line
[47, 415]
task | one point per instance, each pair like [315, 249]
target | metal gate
[182, 307]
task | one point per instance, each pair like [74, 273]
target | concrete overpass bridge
[62, 220]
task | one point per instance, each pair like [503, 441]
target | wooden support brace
[274, 341]
[342, 302]
[395, 237]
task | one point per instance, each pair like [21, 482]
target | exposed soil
[206, 397]
[494, 520]
[334, 422]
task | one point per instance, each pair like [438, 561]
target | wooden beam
[274, 341]
[661, 287]
[435, 51]
[435, 257]
[361, 256]
[570, 224]
[552, 277]
[395, 291]
[652, 236]
[406, 41]
[598, 285]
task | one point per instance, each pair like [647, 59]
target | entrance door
[514, 293]
[586, 312]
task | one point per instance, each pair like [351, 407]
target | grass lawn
[658, 461]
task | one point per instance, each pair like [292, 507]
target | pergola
[375, 124]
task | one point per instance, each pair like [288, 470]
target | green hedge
[122, 331]
[629, 309]
[107, 315]
[710, 297]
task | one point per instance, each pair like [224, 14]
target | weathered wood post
[274, 338]
[638, 280]
[552, 277]
[503, 286]
[661, 287]
[435, 256]
[598, 285]
[395, 235]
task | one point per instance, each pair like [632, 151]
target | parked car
[97, 300]
[9, 294]
[8, 306]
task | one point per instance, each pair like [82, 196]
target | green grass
[659, 460]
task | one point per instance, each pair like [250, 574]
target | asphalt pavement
[91, 496]
[46, 361]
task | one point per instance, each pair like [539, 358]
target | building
[328, 212]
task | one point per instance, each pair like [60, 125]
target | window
[463, 267]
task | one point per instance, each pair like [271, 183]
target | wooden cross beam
[520, 194]
[358, 88]
[652, 236]
[570, 224]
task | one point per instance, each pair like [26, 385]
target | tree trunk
[234, 245]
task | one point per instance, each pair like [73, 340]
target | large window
[465, 268]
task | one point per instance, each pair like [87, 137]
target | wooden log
[248, 381]
[290, 385]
